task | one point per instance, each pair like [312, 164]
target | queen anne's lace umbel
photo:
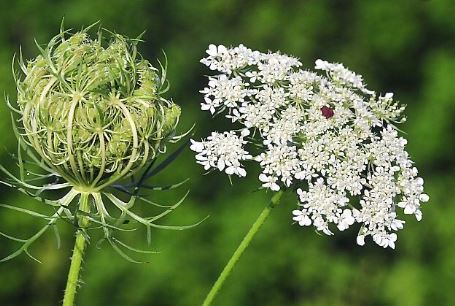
[326, 136]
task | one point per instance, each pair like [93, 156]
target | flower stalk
[241, 249]
[78, 252]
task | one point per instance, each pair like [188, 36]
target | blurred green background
[407, 47]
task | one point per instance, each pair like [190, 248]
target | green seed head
[92, 108]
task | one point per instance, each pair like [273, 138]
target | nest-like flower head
[326, 136]
[91, 107]
[90, 114]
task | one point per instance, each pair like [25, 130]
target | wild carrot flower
[324, 135]
[90, 114]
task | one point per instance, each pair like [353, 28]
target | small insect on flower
[327, 112]
[324, 135]
[90, 113]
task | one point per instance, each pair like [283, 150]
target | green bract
[91, 108]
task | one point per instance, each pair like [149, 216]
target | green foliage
[407, 47]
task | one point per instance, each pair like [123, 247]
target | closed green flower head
[91, 107]
[90, 114]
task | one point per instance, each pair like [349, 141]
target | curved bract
[91, 107]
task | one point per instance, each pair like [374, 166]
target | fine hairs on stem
[78, 252]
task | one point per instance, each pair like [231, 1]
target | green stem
[241, 248]
[78, 252]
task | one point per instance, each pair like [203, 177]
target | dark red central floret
[327, 112]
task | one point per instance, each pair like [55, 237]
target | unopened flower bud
[91, 108]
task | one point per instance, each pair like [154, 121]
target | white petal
[196, 146]
[389, 95]
[222, 49]
[297, 212]
[230, 170]
[212, 50]
[361, 240]
[241, 172]
[245, 132]
[205, 107]
[424, 197]
[409, 209]
[393, 237]
[221, 165]
[275, 187]
[263, 178]
[320, 64]
[418, 215]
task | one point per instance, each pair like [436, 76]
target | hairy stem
[241, 248]
[78, 252]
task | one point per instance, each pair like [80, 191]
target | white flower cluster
[223, 151]
[324, 135]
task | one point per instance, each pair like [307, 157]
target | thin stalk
[241, 248]
[78, 252]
